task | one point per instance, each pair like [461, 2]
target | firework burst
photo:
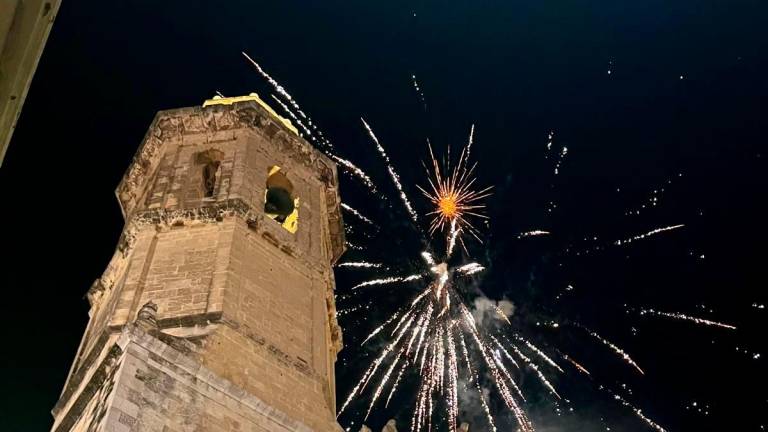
[455, 200]
[434, 335]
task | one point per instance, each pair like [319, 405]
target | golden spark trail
[536, 369]
[509, 399]
[384, 382]
[419, 92]
[357, 172]
[353, 246]
[506, 353]
[638, 412]
[357, 214]
[575, 364]
[387, 280]
[471, 139]
[294, 117]
[485, 408]
[466, 353]
[540, 353]
[428, 258]
[616, 349]
[682, 316]
[397, 381]
[533, 233]
[395, 177]
[648, 234]
[360, 264]
[276, 85]
[560, 158]
[380, 328]
[500, 364]
[452, 236]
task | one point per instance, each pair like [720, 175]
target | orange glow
[448, 206]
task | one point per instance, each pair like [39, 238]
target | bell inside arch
[279, 203]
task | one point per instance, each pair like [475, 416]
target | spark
[294, 117]
[357, 214]
[540, 353]
[533, 233]
[648, 234]
[353, 170]
[653, 199]
[380, 328]
[276, 85]
[395, 177]
[283, 93]
[360, 264]
[419, 92]
[560, 158]
[469, 269]
[575, 364]
[682, 316]
[388, 280]
[471, 139]
[353, 246]
[539, 373]
[452, 236]
[638, 412]
[616, 349]
[428, 258]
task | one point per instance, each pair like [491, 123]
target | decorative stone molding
[147, 317]
[176, 124]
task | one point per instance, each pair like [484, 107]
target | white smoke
[489, 312]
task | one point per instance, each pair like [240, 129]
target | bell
[279, 203]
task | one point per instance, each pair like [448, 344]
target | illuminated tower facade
[216, 312]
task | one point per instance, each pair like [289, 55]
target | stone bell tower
[216, 312]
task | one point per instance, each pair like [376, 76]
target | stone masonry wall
[255, 300]
[153, 387]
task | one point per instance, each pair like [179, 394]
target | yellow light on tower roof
[220, 100]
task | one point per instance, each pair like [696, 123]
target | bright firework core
[454, 198]
[448, 206]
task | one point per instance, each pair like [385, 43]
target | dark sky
[686, 94]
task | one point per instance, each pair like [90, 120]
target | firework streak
[681, 316]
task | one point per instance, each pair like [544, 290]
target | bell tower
[216, 312]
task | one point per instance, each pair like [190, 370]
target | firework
[434, 335]
[454, 199]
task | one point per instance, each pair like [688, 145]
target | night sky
[644, 95]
